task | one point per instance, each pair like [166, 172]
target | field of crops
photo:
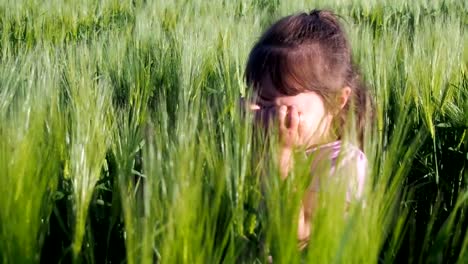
[121, 139]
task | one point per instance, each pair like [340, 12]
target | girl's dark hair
[310, 52]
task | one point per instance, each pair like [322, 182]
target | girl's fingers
[282, 112]
[293, 118]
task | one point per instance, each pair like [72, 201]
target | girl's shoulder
[338, 152]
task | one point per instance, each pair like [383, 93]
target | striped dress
[345, 163]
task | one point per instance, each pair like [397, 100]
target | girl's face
[314, 119]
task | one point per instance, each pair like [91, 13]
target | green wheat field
[122, 139]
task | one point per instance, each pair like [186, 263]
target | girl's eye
[264, 100]
[263, 106]
[266, 108]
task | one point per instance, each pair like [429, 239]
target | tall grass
[32, 150]
[123, 140]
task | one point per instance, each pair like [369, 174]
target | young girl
[304, 81]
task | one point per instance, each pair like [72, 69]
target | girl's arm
[285, 162]
[288, 128]
[308, 209]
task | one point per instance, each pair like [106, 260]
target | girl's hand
[287, 118]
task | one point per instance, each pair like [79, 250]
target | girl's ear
[344, 96]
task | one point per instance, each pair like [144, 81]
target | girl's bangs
[280, 65]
